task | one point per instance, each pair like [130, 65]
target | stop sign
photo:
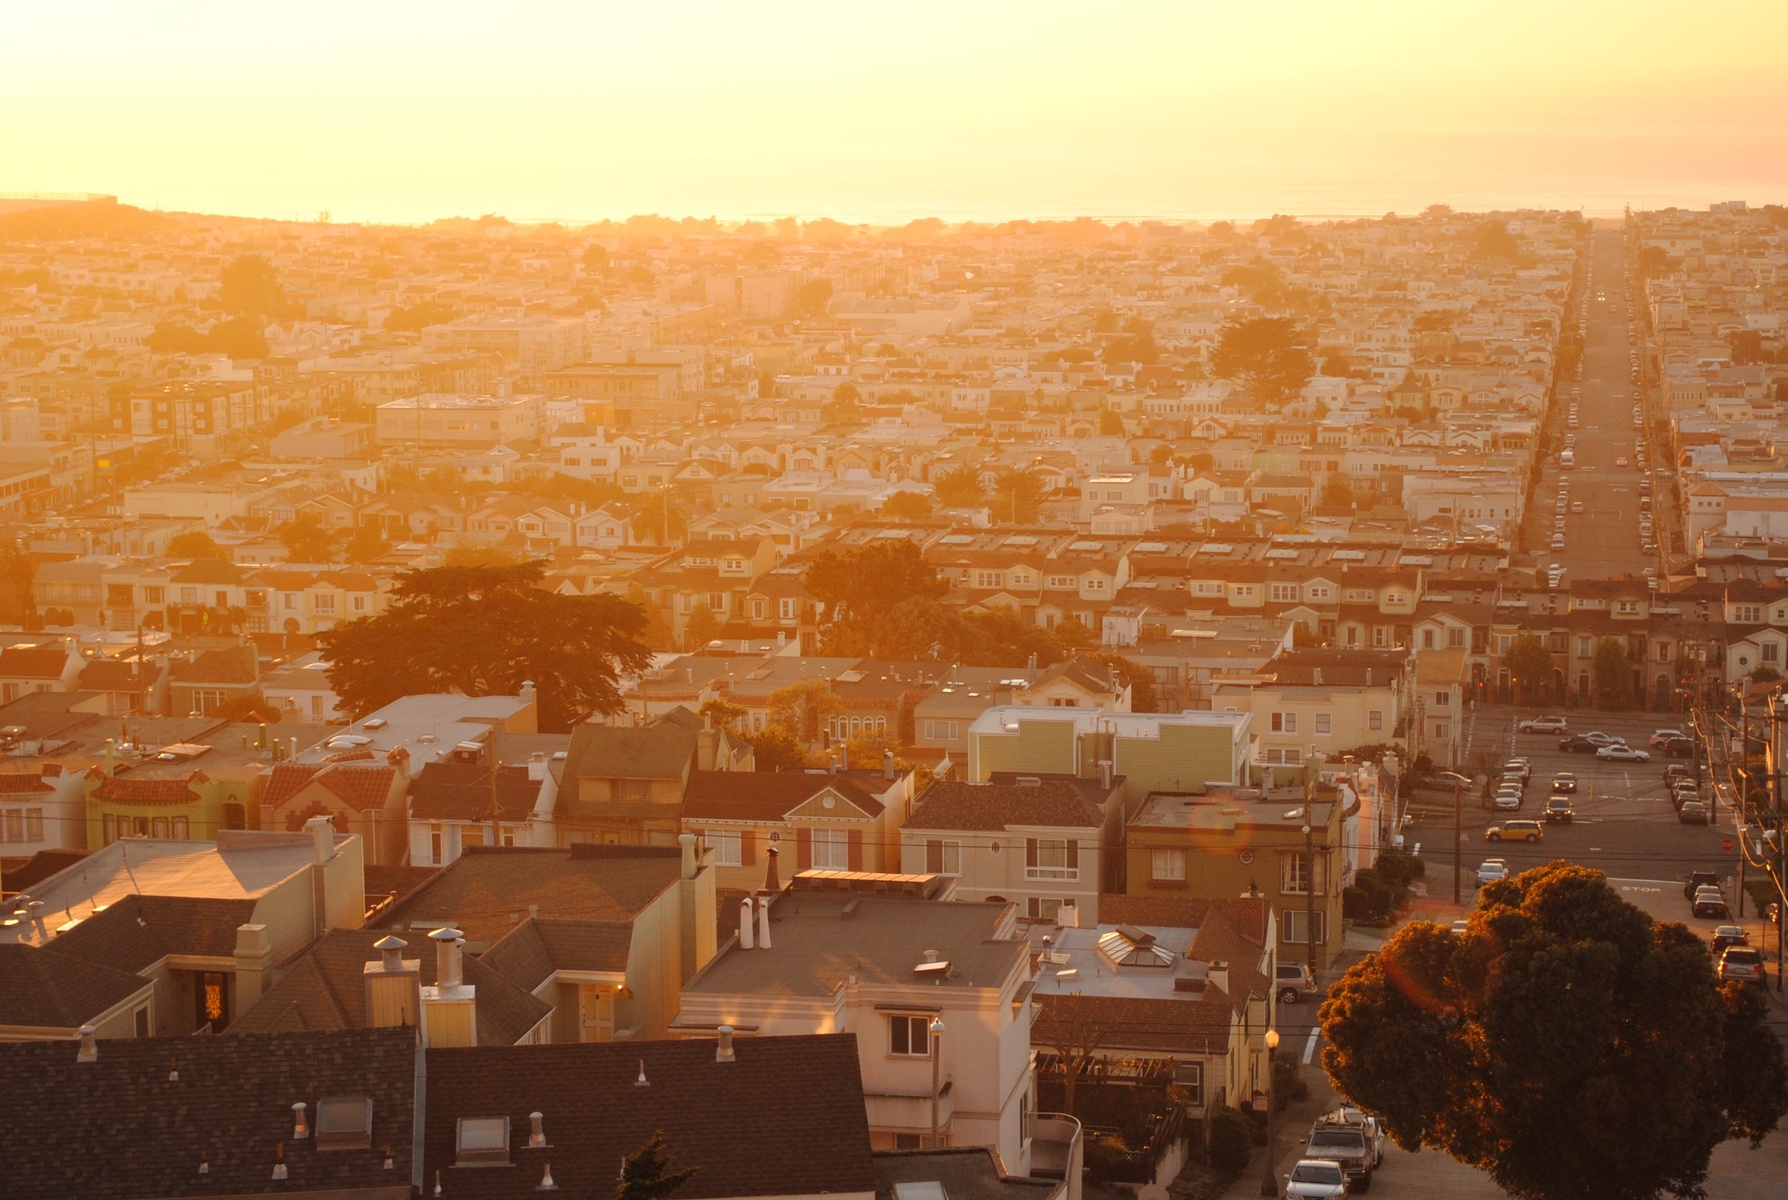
[1726, 845]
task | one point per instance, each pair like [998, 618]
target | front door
[596, 1014]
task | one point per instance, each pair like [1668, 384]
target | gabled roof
[120, 1127]
[237, 665]
[480, 890]
[537, 947]
[785, 1118]
[359, 784]
[767, 796]
[127, 789]
[137, 931]
[33, 662]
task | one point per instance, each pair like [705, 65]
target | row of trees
[1530, 666]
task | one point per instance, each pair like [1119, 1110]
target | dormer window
[482, 1142]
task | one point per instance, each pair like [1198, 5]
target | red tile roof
[18, 783]
[122, 789]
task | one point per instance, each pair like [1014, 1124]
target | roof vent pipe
[763, 923]
[391, 952]
[447, 947]
[747, 935]
[888, 765]
[723, 1051]
[89, 1048]
[300, 1127]
[537, 1135]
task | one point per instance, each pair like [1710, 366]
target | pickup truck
[1348, 1146]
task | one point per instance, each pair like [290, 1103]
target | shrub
[1232, 1139]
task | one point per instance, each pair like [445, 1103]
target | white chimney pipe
[322, 832]
[447, 950]
[391, 952]
[723, 1052]
[89, 1048]
[536, 1137]
[888, 765]
[763, 923]
[300, 1127]
[747, 936]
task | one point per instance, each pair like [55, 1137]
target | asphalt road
[1603, 540]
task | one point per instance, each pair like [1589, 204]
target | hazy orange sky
[386, 109]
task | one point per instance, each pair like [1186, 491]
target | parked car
[1519, 765]
[1743, 963]
[1519, 830]
[1544, 725]
[1558, 810]
[1623, 754]
[1605, 739]
[1729, 935]
[1345, 1145]
[1710, 902]
[1692, 812]
[1443, 781]
[1294, 982]
[1564, 781]
[1492, 869]
[1508, 797]
[1580, 743]
[1376, 1138]
[1676, 771]
[1681, 747]
[1316, 1179]
[1698, 880]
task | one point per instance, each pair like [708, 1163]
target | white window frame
[727, 846]
[1167, 864]
[943, 857]
[902, 1029]
[835, 844]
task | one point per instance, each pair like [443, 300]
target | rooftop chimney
[279, 1160]
[300, 1127]
[771, 884]
[322, 832]
[526, 693]
[888, 765]
[723, 1051]
[393, 986]
[763, 923]
[690, 860]
[1316, 676]
[448, 943]
[747, 934]
[537, 766]
[537, 1135]
[391, 952]
[89, 1048]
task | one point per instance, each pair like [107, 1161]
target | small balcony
[1058, 1150]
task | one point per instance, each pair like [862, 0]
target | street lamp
[1269, 1183]
[937, 1046]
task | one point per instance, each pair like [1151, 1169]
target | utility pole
[1458, 804]
[1310, 863]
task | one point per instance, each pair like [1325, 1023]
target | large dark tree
[1565, 1043]
[1018, 494]
[485, 630]
[1529, 664]
[959, 487]
[862, 586]
[1266, 356]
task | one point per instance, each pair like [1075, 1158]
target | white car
[1491, 870]
[1544, 725]
[1660, 736]
[1316, 1179]
[1623, 754]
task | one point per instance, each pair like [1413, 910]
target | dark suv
[1558, 810]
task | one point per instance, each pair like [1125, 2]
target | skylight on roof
[1348, 556]
[1281, 555]
[1216, 548]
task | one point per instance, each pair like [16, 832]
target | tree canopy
[960, 487]
[485, 630]
[251, 288]
[646, 1173]
[1018, 495]
[1529, 664]
[1614, 674]
[1565, 1043]
[1266, 355]
[196, 543]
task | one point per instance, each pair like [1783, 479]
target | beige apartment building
[461, 422]
[1319, 703]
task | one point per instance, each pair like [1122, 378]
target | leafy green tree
[907, 504]
[1565, 1043]
[417, 317]
[196, 543]
[18, 603]
[251, 288]
[1266, 356]
[723, 713]
[240, 337]
[1492, 239]
[701, 627]
[960, 487]
[1111, 423]
[1530, 664]
[861, 587]
[658, 521]
[804, 709]
[646, 1173]
[1613, 673]
[172, 337]
[1141, 680]
[775, 748]
[485, 631]
[1018, 494]
[306, 540]
[812, 298]
[1654, 262]
[366, 544]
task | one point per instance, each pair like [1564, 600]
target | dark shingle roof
[41, 989]
[237, 666]
[195, 925]
[538, 947]
[33, 662]
[324, 989]
[120, 1127]
[480, 890]
[785, 1118]
[947, 805]
[452, 791]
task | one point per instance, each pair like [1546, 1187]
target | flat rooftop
[1222, 810]
[820, 938]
